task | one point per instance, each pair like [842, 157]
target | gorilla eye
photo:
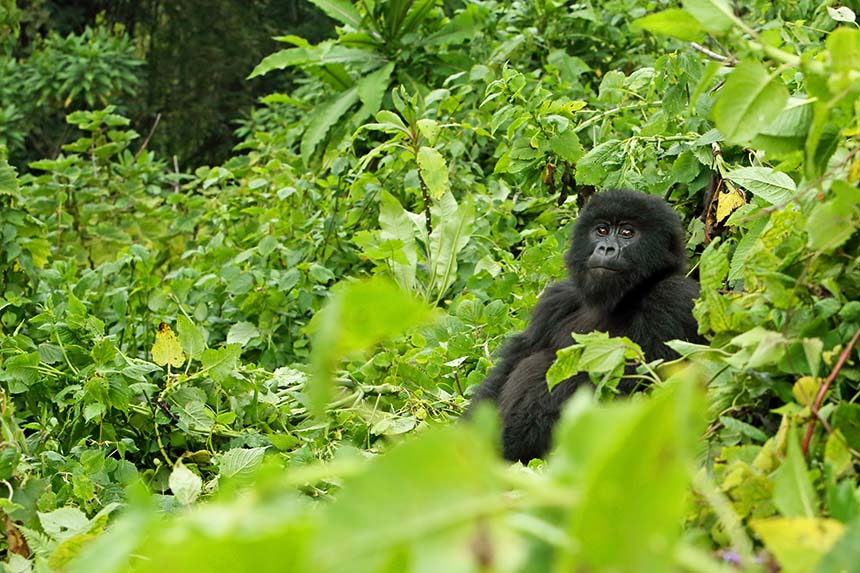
[601, 230]
[627, 233]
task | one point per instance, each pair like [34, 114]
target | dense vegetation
[256, 365]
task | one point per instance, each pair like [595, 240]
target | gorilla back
[626, 266]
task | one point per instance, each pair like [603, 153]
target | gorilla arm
[557, 302]
[665, 313]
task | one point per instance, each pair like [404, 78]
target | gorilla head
[622, 240]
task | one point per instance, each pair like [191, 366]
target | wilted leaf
[167, 349]
[727, 201]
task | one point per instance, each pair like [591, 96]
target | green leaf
[714, 266]
[595, 353]
[282, 59]
[220, 363]
[450, 236]
[844, 47]
[601, 451]
[788, 131]
[240, 463]
[64, 522]
[793, 494]
[749, 101]
[775, 187]
[372, 88]
[341, 10]
[241, 333]
[324, 118]
[194, 416]
[842, 557]
[714, 15]
[23, 368]
[567, 146]
[378, 513]
[185, 484]
[834, 221]
[460, 28]
[434, 171]
[672, 22]
[359, 315]
[190, 337]
[395, 224]
[8, 179]
[593, 168]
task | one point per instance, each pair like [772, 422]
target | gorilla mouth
[604, 269]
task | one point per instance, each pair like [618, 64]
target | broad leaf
[672, 22]
[749, 101]
[434, 171]
[714, 15]
[774, 187]
[341, 10]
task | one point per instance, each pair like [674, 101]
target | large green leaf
[632, 473]
[324, 118]
[834, 221]
[396, 224]
[451, 234]
[672, 22]
[424, 499]
[359, 315]
[793, 493]
[750, 100]
[775, 187]
[714, 15]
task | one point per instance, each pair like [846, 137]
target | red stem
[825, 387]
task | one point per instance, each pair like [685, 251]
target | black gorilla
[626, 266]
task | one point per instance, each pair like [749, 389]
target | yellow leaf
[806, 389]
[167, 349]
[728, 201]
[798, 543]
[854, 171]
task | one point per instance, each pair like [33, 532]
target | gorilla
[626, 268]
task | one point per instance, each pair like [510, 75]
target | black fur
[650, 301]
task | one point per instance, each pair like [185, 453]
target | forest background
[249, 284]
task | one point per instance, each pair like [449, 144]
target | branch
[148, 137]
[728, 60]
[825, 387]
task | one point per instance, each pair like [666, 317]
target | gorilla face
[622, 240]
[611, 243]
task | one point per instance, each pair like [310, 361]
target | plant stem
[825, 387]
